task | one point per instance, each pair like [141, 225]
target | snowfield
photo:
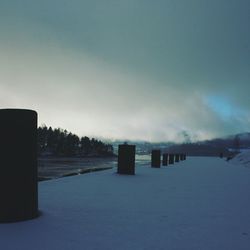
[242, 158]
[200, 204]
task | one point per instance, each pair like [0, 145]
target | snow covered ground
[200, 204]
[242, 158]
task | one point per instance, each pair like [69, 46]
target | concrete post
[126, 159]
[156, 159]
[171, 159]
[184, 157]
[18, 165]
[177, 157]
[181, 157]
[165, 160]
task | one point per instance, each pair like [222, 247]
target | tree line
[59, 142]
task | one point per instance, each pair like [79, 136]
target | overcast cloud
[130, 69]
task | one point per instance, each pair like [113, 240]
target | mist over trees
[59, 142]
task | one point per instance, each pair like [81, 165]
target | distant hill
[198, 149]
[142, 147]
[233, 142]
[227, 145]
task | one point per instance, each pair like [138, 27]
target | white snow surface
[242, 158]
[199, 204]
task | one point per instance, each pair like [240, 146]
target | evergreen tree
[60, 142]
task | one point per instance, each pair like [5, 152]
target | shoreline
[57, 167]
[84, 171]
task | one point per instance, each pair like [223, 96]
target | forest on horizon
[60, 142]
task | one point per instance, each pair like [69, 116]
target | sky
[135, 69]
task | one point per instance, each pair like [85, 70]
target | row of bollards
[167, 159]
[126, 159]
[18, 164]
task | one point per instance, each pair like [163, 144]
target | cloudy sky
[129, 69]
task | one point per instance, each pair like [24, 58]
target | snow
[199, 204]
[242, 158]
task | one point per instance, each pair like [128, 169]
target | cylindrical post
[165, 160]
[180, 157]
[18, 165]
[177, 157]
[126, 159]
[156, 158]
[171, 159]
[184, 157]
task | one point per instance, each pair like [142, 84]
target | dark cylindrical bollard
[171, 159]
[165, 160]
[181, 157]
[177, 157]
[184, 157]
[156, 158]
[221, 155]
[18, 165]
[126, 159]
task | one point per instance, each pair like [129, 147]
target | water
[49, 168]
[55, 167]
[142, 160]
